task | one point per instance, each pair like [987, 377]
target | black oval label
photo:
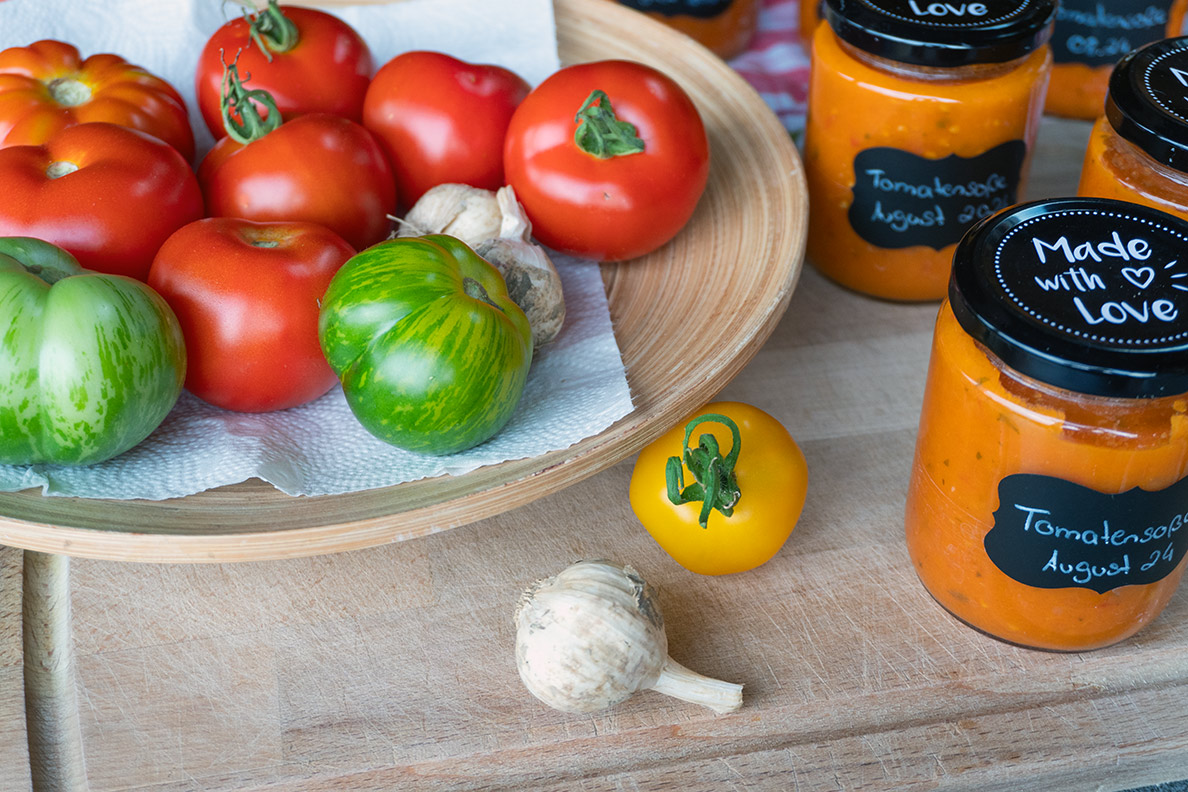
[902, 200]
[704, 9]
[1099, 277]
[1051, 533]
[1098, 33]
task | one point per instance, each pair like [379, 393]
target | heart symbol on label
[1139, 276]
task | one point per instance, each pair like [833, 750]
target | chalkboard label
[902, 200]
[1097, 33]
[1050, 533]
[704, 9]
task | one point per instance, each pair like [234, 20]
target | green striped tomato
[431, 351]
[90, 364]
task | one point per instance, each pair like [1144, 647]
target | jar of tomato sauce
[724, 26]
[921, 120]
[1138, 150]
[1048, 502]
[1089, 38]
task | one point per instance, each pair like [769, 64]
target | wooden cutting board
[391, 668]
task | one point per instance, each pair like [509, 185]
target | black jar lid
[1086, 294]
[943, 33]
[1147, 102]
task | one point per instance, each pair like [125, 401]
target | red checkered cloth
[776, 63]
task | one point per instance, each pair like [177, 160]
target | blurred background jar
[1048, 500]
[1091, 36]
[810, 15]
[921, 120]
[1138, 149]
[723, 26]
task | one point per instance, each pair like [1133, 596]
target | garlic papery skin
[593, 635]
[471, 214]
[532, 283]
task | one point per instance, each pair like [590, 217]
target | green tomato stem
[716, 485]
[272, 30]
[239, 101]
[475, 291]
[600, 133]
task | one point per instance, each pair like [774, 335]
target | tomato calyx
[715, 484]
[600, 133]
[69, 92]
[241, 118]
[272, 30]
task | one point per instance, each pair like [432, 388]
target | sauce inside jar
[1048, 503]
[1091, 36]
[1138, 150]
[725, 27]
[916, 129]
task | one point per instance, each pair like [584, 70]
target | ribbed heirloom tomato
[47, 86]
[246, 295]
[442, 120]
[608, 158]
[308, 60]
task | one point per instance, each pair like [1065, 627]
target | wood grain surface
[391, 668]
[732, 270]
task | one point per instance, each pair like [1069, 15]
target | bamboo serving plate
[687, 319]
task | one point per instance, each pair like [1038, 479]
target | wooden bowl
[687, 318]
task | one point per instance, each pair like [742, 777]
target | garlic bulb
[591, 636]
[469, 213]
[494, 224]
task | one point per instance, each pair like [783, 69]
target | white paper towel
[576, 387]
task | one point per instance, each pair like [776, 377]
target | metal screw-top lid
[1086, 294]
[939, 33]
[1148, 100]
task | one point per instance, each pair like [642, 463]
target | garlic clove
[591, 636]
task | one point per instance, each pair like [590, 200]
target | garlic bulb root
[593, 635]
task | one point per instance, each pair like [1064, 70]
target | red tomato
[108, 194]
[442, 120]
[315, 63]
[47, 86]
[246, 295]
[622, 206]
[317, 168]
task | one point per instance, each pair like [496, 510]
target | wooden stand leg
[51, 699]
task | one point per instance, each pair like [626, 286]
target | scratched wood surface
[391, 668]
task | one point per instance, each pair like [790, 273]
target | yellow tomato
[760, 490]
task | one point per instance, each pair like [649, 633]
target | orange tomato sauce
[810, 15]
[726, 34]
[981, 422]
[856, 105]
[1116, 168]
[1078, 90]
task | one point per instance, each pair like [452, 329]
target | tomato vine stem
[241, 118]
[715, 485]
[272, 31]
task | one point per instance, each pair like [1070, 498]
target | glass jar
[1089, 39]
[1048, 501]
[917, 128]
[1138, 150]
[810, 15]
[724, 26]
